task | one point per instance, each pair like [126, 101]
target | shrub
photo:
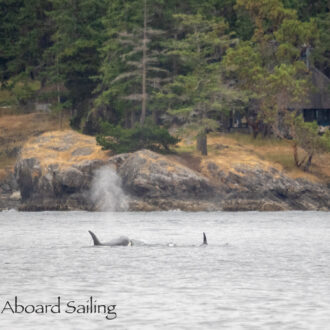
[121, 140]
[306, 136]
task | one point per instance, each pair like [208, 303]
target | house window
[321, 116]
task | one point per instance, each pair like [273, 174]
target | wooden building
[317, 106]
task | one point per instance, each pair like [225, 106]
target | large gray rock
[54, 171]
[268, 189]
[10, 195]
[151, 175]
[162, 183]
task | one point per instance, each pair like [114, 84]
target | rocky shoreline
[55, 171]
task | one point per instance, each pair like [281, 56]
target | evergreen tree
[74, 58]
[25, 36]
[199, 90]
[9, 36]
[271, 69]
[191, 61]
[321, 53]
[132, 68]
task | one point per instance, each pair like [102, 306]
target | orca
[120, 241]
[125, 241]
[203, 244]
[204, 239]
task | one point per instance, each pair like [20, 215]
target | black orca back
[204, 239]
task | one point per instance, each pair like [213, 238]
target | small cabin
[316, 106]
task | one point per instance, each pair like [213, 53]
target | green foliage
[190, 62]
[132, 71]
[325, 141]
[23, 91]
[321, 53]
[244, 64]
[73, 58]
[24, 37]
[270, 69]
[200, 90]
[306, 8]
[120, 140]
[267, 15]
[307, 136]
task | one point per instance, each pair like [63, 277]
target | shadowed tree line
[122, 67]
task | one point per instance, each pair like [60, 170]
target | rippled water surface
[259, 271]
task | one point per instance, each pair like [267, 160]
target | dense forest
[133, 68]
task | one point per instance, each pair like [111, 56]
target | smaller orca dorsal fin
[95, 239]
[204, 239]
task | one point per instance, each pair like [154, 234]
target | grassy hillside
[227, 150]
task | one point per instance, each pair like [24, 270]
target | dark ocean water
[259, 271]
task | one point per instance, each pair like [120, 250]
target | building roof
[319, 97]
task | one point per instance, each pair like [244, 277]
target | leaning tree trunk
[144, 67]
[296, 156]
[202, 143]
[309, 162]
[59, 95]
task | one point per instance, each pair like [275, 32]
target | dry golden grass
[15, 130]
[225, 150]
[27, 124]
[63, 148]
[231, 150]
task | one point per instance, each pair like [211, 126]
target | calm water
[259, 271]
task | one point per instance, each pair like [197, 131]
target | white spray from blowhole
[106, 191]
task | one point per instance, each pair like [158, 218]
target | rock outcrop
[10, 195]
[266, 189]
[155, 182]
[55, 171]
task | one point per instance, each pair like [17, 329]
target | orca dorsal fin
[95, 239]
[204, 239]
